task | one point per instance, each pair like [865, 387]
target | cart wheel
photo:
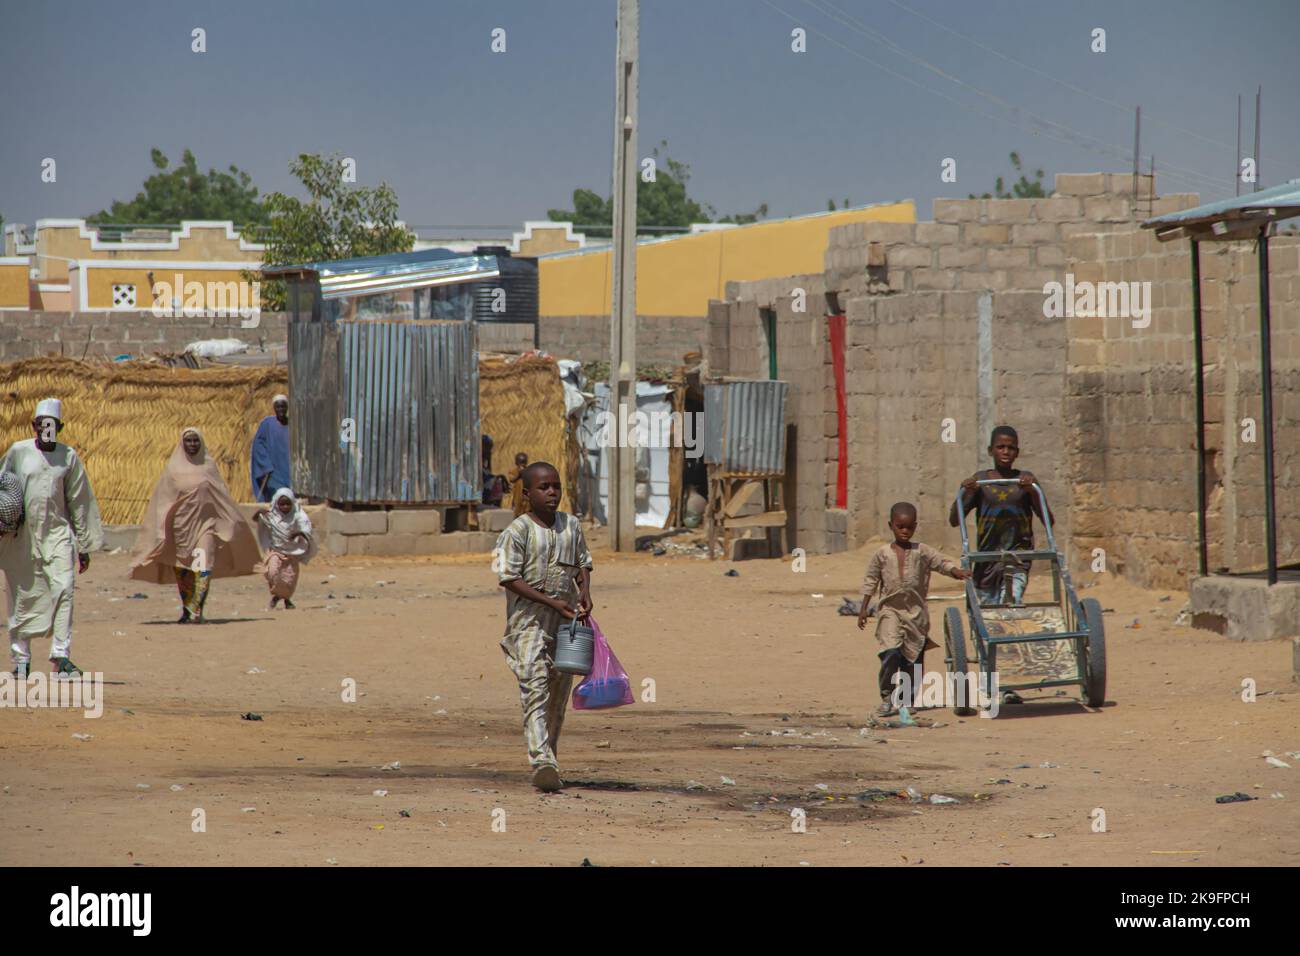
[1094, 671]
[954, 640]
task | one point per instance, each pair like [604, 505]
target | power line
[1114, 149]
[1064, 83]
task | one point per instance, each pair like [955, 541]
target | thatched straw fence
[125, 418]
[521, 405]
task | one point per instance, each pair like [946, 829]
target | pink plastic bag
[607, 685]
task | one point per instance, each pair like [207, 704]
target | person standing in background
[270, 454]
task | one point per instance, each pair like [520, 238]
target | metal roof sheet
[1219, 219]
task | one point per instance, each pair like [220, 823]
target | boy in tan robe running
[901, 572]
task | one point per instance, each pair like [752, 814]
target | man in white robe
[60, 527]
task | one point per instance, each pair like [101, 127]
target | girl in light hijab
[284, 531]
[193, 530]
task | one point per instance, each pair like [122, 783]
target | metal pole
[1266, 390]
[1137, 143]
[1258, 96]
[622, 350]
[1200, 408]
[1237, 169]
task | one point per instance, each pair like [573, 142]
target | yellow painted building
[14, 282]
[679, 275]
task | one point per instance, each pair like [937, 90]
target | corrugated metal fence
[385, 411]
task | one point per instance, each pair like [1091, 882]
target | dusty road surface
[755, 680]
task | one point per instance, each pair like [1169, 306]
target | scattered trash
[137, 597]
[1136, 625]
[1277, 796]
[248, 809]
[119, 633]
[142, 786]
[1274, 762]
[821, 786]
[905, 718]
[403, 813]
[733, 573]
[819, 595]
[1048, 765]
[255, 670]
[1237, 797]
[377, 826]
[587, 862]
[395, 765]
[1184, 616]
[176, 788]
[83, 736]
[602, 744]
[331, 861]
[1021, 766]
[876, 794]
[380, 793]
[849, 608]
[1042, 836]
[913, 795]
[658, 552]
[695, 785]
[250, 716]
[942, 798]
[728, 782]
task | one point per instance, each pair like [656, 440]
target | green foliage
[1022, 189]
[338, 221]
[171, 195]
[830, 205]
[663, 202]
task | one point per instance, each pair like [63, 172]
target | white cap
[49, 408]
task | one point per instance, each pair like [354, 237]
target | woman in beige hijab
[193, 530]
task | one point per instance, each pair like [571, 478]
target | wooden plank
[770, 519]
[741, 498]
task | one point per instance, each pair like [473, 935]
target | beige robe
[902, 618]
[192, 522]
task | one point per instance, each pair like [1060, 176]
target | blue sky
[413, 92]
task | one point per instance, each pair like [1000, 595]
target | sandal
[63, 668]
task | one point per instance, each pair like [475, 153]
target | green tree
[1022, 189]
[183, 192]
[338, 221]
[663, 202]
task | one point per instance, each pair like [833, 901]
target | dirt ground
[756, 679]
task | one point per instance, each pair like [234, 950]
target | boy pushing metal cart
[1025, 644]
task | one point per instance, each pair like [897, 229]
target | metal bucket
[574, 646]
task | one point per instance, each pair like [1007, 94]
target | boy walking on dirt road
[545, 567]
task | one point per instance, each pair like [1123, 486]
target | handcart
[1034, 644]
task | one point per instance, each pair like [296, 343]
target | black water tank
[519, 280]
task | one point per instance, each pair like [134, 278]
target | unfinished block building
[948, 331]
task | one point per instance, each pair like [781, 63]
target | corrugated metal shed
[384, 397]
[744, 427]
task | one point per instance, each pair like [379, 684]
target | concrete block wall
[1131, 407]
[25, 334]
[661, 339]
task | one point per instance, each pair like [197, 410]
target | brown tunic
[903, 620]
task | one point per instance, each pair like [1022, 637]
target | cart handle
[1042, 499]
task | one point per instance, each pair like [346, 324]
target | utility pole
[622, 347]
